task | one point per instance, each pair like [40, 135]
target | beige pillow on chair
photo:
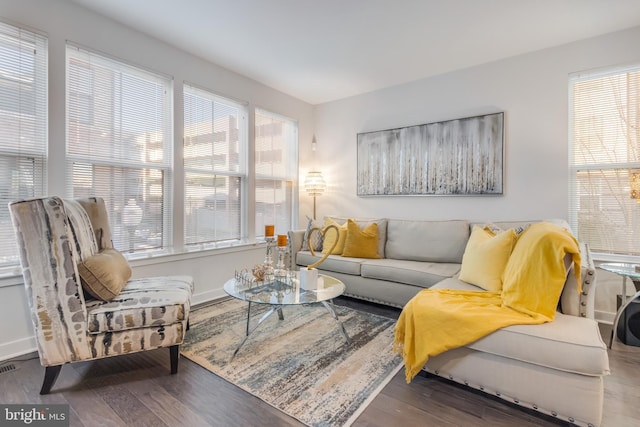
[104, 274]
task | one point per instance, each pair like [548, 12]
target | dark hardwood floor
[137, 390]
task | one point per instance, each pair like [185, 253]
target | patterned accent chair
[54, 236]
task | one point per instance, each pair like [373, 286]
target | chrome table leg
[329, 306]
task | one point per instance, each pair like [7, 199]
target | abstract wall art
[454, 157]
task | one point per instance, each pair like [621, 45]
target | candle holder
[281, 269]
[268, 261]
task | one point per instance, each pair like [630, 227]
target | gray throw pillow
[316, 238]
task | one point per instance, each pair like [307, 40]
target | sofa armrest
[294, 242]
[580, 304]
[588, 296]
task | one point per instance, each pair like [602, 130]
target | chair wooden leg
[174, 352]
[50, 376]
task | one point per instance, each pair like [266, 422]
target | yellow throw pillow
[536, 272]
[104, 274]
[361, 243]
[330, 238]
[486, 257]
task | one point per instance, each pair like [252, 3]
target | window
[605, 160]
[119, 146]
[276, 160]
[215, 152]
[23, 127]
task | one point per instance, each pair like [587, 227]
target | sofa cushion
[335, 263]
[364, 222]
[316, 238]
[569, 343]
[361, 243]
[423, 274]
[104, 274]
[431, 241]
[154, 301]
[330, 238]
[486, 256]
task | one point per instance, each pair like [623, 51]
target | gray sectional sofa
[555, 368]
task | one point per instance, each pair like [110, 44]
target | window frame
[289, 179]
[33, 153]
[614, 167]
[164, 168]
[242, 174]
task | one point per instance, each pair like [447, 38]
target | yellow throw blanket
[435, 321]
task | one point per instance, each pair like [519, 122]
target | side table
[626, 271]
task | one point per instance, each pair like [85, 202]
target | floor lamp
[314, 185]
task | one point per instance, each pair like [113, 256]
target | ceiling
[323, 50]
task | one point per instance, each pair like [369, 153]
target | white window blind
[23, 127]
[215, 152]
[276, 163]
[605, 160]
[119, 145]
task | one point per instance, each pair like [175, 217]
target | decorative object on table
[281, 269]
[309, 279]
[455, 157]
[297, 366]
[269, 231]
[330, 249]
[268, 273]
[254, 281]
[309, 275]
[258, 272]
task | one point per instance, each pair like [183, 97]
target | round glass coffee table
[280, 293]
[631, 271]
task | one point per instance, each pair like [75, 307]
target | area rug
[301, 365]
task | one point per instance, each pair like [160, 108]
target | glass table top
[285, 292]
[623, 269]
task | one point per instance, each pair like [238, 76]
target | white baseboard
[207, 296]
[18, 348]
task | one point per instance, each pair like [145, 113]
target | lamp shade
[314, 183]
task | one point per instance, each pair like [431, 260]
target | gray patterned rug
[301, 365]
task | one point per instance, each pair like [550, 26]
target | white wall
[61, 21]
[531, 89]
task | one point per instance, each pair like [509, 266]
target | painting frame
[459, 157]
